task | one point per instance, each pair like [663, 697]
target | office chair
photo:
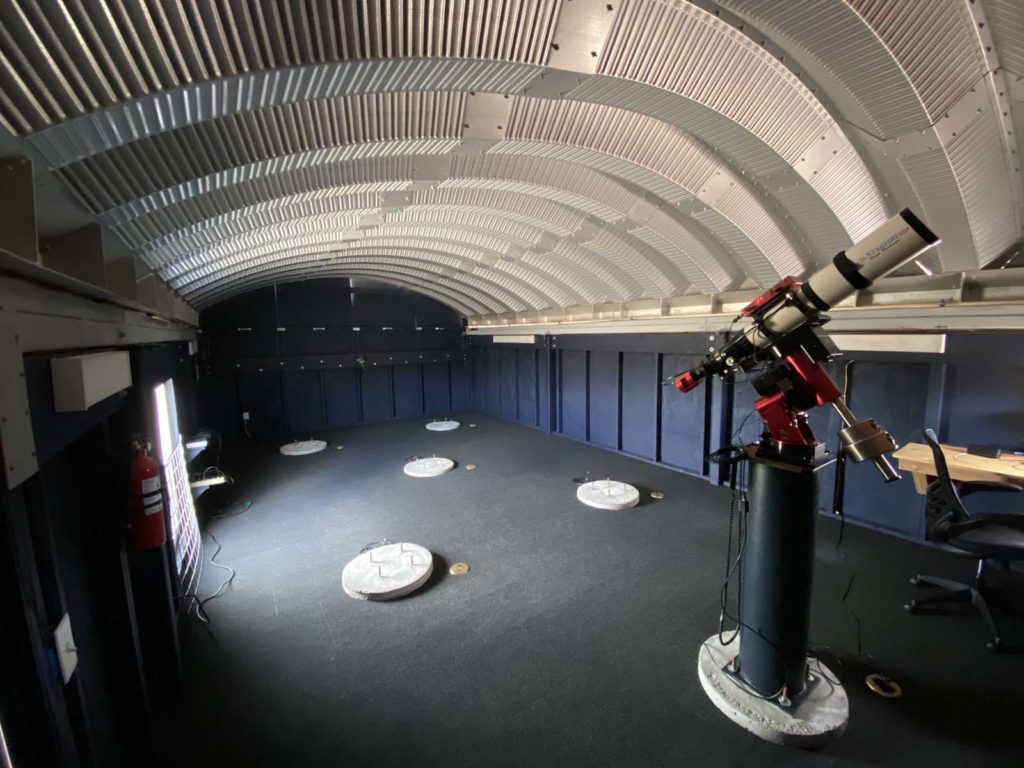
[985, 537]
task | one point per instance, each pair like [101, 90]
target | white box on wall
[80, 381]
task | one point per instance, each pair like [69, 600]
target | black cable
[839, 540]
[835, 653]
[849, 586]
[200, 603]
[735, 457]
[215, 564]
[211, 516]
[201, 613]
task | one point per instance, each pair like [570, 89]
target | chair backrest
[944, 506]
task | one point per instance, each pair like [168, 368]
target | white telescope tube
[890, 246]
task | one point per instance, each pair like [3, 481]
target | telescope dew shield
[890, 246]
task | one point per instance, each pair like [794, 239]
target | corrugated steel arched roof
[509, 155]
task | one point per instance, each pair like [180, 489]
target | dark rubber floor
[573, 640]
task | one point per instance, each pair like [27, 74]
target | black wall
[62, 549]
[607, 390]
[309, 356]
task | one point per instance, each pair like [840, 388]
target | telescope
[782, 337]
[766, 682]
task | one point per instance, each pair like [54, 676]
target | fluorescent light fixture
[926, 343]
[514, 339]
[924, 267]
[165, 440]
[182, 511]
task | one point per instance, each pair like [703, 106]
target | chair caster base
[910, 607]
[915, 580]
[995, 644]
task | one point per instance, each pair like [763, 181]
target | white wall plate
[302, 447]
[443, 426]
[67, 653]
[387, 572]
[430, 467]
[608, 494]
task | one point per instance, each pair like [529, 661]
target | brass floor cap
[883, 686]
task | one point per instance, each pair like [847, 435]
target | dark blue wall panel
[973, 393]
[640, 393]
[547, 401]
[480, 380]
[462, 389]
[313, 335]
[314, 303]
[492, 382]
[304, 340]
[341, 394]
[508, 382]
[526, 387]
[260, 395]
[984, 401]
[896, 396]
[985, 390]
[573, 393]
[303, 401]
[436, 397]
[242, 342]
[682, 420]
[408, 391]
[376, 386]
[218, 396]
[604, 399]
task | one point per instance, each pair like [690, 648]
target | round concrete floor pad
[608, 494]
[387, 572]
[443, 426]
[818, 718]
[430, 467]
[302, 447]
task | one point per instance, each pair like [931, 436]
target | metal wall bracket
[17, 443]
[78, 254]
[18, 232]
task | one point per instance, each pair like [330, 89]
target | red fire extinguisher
[147, 502]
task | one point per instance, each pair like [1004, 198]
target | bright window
[171, 455]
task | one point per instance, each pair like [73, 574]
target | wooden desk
[917, 459]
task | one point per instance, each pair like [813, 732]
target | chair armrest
[986, 486]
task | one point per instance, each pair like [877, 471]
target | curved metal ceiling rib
[451, 297]
[665, 270]
[507, 238]
[919, 87]
[571, 216]
[450, 290]
[520, 278]
[724, 158]
[447, 296]
[121, 184]
[458, 286]
[533, 288]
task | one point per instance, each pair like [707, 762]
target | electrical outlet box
[67, 653]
